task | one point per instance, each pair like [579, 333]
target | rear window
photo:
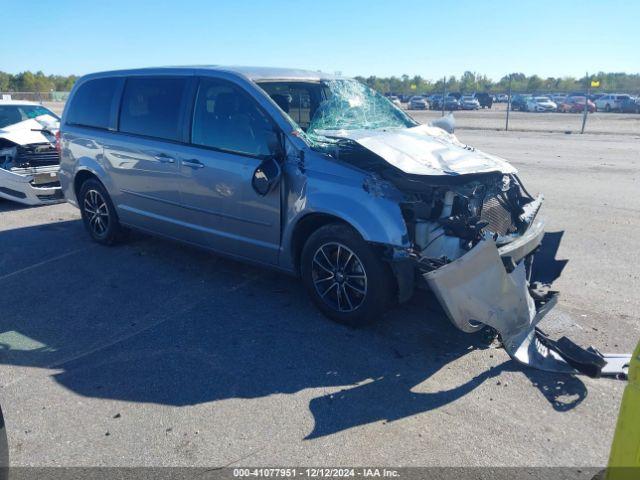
[91, 104]
[152, 106]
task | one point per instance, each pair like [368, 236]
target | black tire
[98, 213]
[359, 272]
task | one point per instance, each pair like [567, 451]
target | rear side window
[91, 104]
[152, 106]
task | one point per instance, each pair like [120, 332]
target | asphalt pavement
[153, 353]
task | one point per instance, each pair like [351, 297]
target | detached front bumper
[31, 186]
[489, 286]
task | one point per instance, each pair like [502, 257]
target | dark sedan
[630, 105]
[485, 99]
[519, 102]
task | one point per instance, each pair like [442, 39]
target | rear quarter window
[91, 104]
[151, 106]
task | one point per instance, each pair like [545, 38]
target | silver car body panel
[425, 150]
[476, 290]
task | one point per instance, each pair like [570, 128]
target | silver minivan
[312, 174]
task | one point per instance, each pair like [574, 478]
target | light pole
[586, 104]
[444, 92]
[506, 127]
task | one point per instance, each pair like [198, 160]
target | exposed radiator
[495, 210]
[36, 155]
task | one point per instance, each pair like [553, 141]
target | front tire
[345, 278]
[98, 213]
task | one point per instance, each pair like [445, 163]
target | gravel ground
[152, 353]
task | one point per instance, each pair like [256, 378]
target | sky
[382, 38]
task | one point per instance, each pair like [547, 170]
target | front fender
[376, 216]
[378, 220]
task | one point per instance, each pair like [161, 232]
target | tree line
[468, 82]
[35, 82]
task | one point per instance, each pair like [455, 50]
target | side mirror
[266, 176]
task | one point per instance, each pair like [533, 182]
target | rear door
[143, 157]
[229, 139]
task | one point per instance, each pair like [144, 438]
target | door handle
[193, 163]
[164, 158]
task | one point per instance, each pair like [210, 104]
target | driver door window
[227, 119]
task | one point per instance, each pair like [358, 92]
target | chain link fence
[501, 115]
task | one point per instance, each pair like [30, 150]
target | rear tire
[345, 278]
[98, 213]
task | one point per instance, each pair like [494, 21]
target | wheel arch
[303, 229]
[81, 177]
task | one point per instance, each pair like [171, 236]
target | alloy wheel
[97, 212]
[339, 277]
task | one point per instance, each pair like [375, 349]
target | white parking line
[44, 262]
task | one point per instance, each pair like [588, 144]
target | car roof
[252, 73]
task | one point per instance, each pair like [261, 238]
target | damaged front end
[29, 163]
[472, 228]
[477, 257]
[474, 237]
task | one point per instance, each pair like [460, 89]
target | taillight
[58, 146]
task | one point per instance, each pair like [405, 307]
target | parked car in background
[541, 104]
[451, 103]
[558, 98]
[484, 99]
[435, 101]
[29, 160]
[469, 102]
[519, 102]
[502, 98]
[574, 104]
[395, 100]
[418, 102]
[630, 105]
[611, 102]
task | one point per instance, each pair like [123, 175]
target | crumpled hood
[22, 133]
[425, 150]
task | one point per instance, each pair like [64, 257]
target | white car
[611, 102]
[469, 102]
[541, 104]
[395, 100]
[29, 159]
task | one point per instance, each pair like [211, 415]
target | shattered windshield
[351, 105]
[317, 108]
